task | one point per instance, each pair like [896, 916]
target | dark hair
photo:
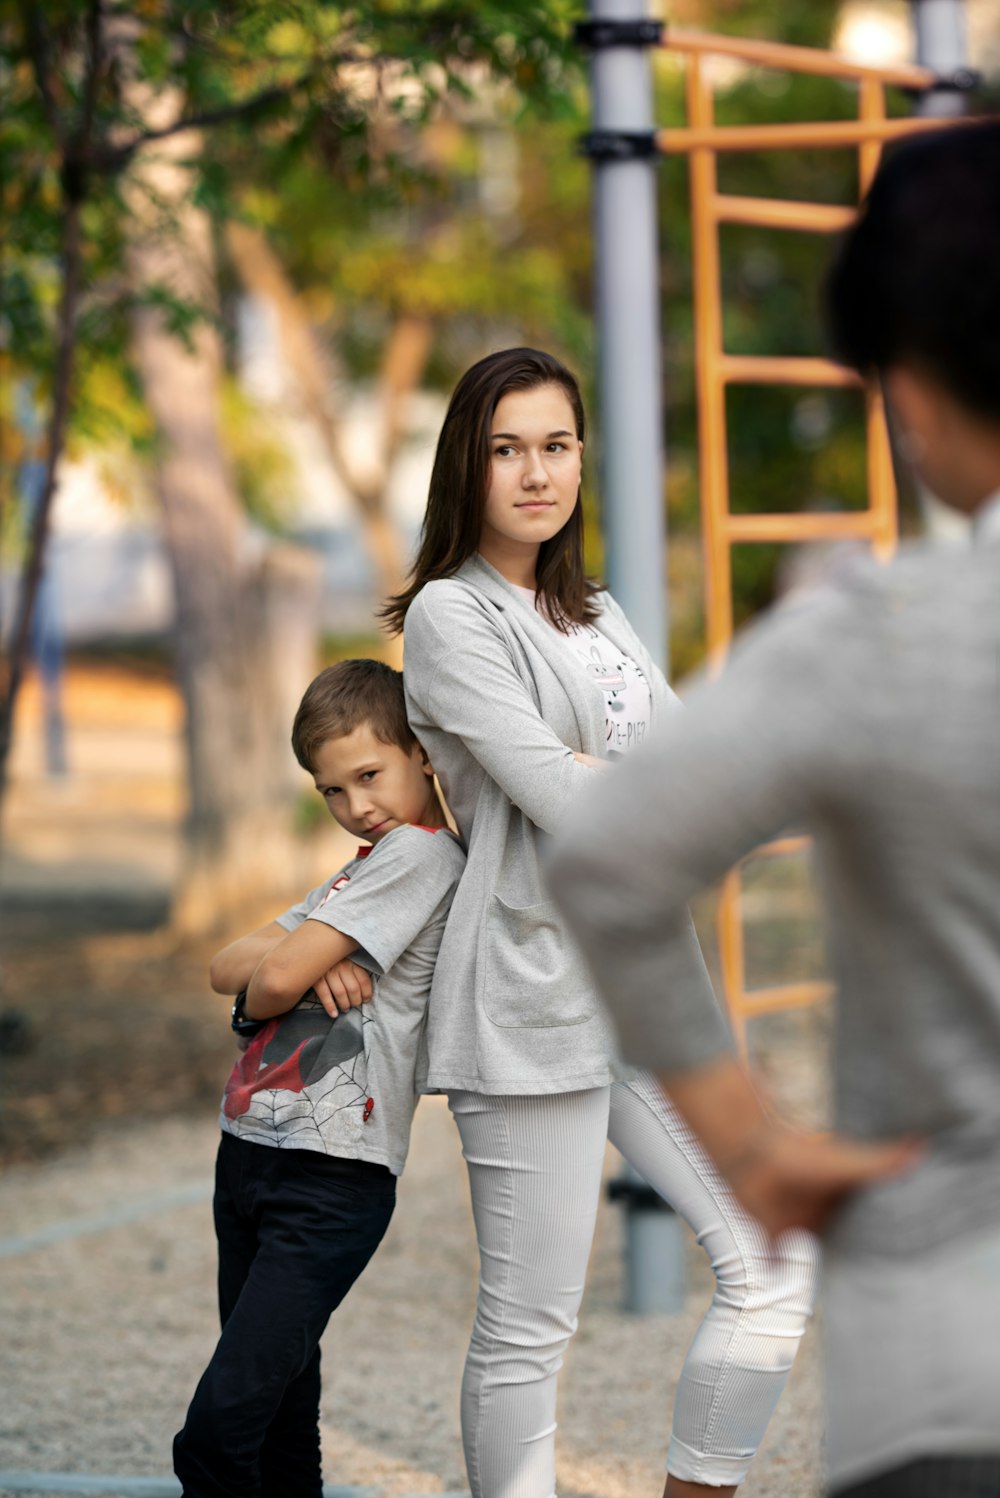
[460, 478]
[918, 276]
[343, 697]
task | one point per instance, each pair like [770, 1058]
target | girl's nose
[534, 475]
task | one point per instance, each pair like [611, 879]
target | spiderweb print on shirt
[298, 1074]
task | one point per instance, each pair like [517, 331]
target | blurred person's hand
[791, 1180]
[782, 1177]
[346, 986]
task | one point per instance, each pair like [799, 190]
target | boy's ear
[425, 763]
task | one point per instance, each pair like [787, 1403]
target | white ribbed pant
[535, 1173]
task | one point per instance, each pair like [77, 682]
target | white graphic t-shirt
[619, 679]
[345, 1086]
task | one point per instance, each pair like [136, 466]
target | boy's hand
[591, 762]
[346, 986]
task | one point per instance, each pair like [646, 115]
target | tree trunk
[31, 575]
[245, 616]
[309, 363]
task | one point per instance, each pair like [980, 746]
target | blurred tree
[399, 184]
[106, 108]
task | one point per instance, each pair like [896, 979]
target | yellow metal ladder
[702, 140]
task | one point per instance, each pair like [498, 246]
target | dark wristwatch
[241, 1021]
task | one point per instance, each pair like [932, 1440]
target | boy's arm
[292, 965]
[233, 967]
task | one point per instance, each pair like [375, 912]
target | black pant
[934, 1477]
[295, 1229]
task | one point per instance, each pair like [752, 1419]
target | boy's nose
[360, 805]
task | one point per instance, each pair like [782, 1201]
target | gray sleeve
[393, 894]
[460, 671]
[296, 914]
[737, 767]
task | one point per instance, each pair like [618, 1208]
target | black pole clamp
[961, 81]
[619, 145]
[596, 35]
[636, 1196]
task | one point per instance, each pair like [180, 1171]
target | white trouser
[535, 1173]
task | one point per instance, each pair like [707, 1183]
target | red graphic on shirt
[291, 1052]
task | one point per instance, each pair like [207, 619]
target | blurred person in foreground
[871, 716]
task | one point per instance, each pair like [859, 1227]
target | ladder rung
[776, 213]
[758, 369]
[785, 996]
[794, 59]
[804, 135]
[839, 526]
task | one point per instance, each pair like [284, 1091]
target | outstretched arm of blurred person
[766, 747]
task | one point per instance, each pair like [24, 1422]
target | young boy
[316, 1114]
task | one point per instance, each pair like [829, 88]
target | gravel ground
[107, 1331]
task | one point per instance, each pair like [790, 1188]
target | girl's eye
[369, 775]
[557, 447]
[503, 452]
[331, 790]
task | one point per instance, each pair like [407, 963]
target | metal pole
[939, 30]
[628, 337]
[627, 280]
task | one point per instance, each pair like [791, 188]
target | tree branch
[117, 157]
[38, 47]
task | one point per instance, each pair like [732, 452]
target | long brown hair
[456, 500]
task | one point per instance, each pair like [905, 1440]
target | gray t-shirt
[346, 1086]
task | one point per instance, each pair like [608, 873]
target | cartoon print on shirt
[293, 1052]
[617, 679]
[302, 1067]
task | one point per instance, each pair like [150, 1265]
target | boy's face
[371, 787]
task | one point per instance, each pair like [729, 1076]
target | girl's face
[534, 481]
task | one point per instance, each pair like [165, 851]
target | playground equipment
[624, 152]
[624, 146]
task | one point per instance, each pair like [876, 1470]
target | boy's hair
[343, 697]
[918, 277]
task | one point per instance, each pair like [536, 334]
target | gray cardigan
[500, 704]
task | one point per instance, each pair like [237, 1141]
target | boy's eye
[330, 791]
[368, 775]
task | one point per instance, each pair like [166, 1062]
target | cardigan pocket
[535, 976]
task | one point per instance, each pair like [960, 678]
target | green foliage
[419, 157]
[331, 97]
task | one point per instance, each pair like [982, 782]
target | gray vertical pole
[627, 278]
[939, 29]
[628, 338]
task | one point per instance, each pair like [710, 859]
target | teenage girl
[522, 680]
